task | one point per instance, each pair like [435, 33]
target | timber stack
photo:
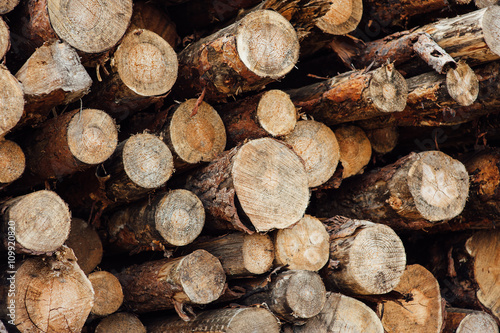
[287, 166]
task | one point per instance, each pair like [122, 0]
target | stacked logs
[172, 166]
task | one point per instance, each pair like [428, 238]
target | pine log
[342, 314]
[169, 219]
[415, 192]
[194, 132]
[241, 320]
[353, 96]
[270, 113]
[293, 296]
[468, 321]
[365, 258]
[7, 5]
[383, 140]
[143, 70]
[242, 57]
[342, 17]
[86, 244]
[422, 308]
[317, 145]
[241, 254]
[240, 191]
[355, 150]
[52, 76]
[197, 278]
[70, 143]
[11, 101]
[304, 246]
[108, 293]
[40, 221]
[52, 294]
[120, 322]
[4, 38]
[12, 162]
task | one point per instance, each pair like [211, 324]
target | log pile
[293, 166]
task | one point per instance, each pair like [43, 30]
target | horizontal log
[383, 140]
[86, 244]
[108, 293]
[465, 320]
[13, 162]
[11, 101]
[4, 38]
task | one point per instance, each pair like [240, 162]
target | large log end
[342, 17]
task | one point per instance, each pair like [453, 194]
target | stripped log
[468, 321]
[304, 246]
[120, 322]
[11, 101]
[108, 293]
[4, 38]
[242, 320]
[353, 96]
[143, 69]
[12, 162]
[70, 143]
[238, 58]
[270, 113]
[168, 219]
[365, 258]
[40, 220]
[7, 5]
[52, 76]
[197, 278]
[433, 54]
[240, 191]
[422, 308]
[86, 245]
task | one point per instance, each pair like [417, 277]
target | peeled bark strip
[484, 247]
[271, 113]
[268, 192]
[342, 17]
[433, 54]
[4, 38]
[86, 244]
[11, 101]
[468, 321]
[245, 56]
[241, 254]
[120, 322]
[52, 294]
[70, 143]
[7, 5]
[197, 278]
[342, 314]
[194, 133]
[303, 246]
[170, 219]
[143, 69]
[139, 164]
[413, 193]
[383, 140]
[293, 296]
[41, 219]
[421, 310]
[52, 76]
[108, 293]
[242, 320]
[353, 96]
[12, 162]
[365, 258]
[317, 145]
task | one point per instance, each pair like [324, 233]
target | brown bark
[143, 70]
[120, 322]
[353, 96]
[244, 193]
[239, 58]
[86, 244]
[4, 38]
[11, 101]
[108, 293]
[40, 222]
[465, 320]
[12, 162]
[197, 278]
[365, 258]
[168, 219]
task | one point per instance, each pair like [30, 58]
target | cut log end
[272, 188]
[355, 149]
[276, 113]
[197, 138]
[305, 294]
[146, 63]
[7, 6]
[388, 89]
[12, 161]
[478, 322]
[4, 37]
[90, 26]
[92, 136]
[317, 145]
[147, 160]
[108, 291]
[11, 101]
[86, 244]
[267, 44]
[342, 17]
[42, 221]
[304, 246]
[491, 29]
[120, 322]
[485, 3]
[180, 217]
[439, 185]
[258, 253]
[383, 140]
[462, 84]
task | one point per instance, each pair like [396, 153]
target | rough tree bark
[86, 244]
[108, 293]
